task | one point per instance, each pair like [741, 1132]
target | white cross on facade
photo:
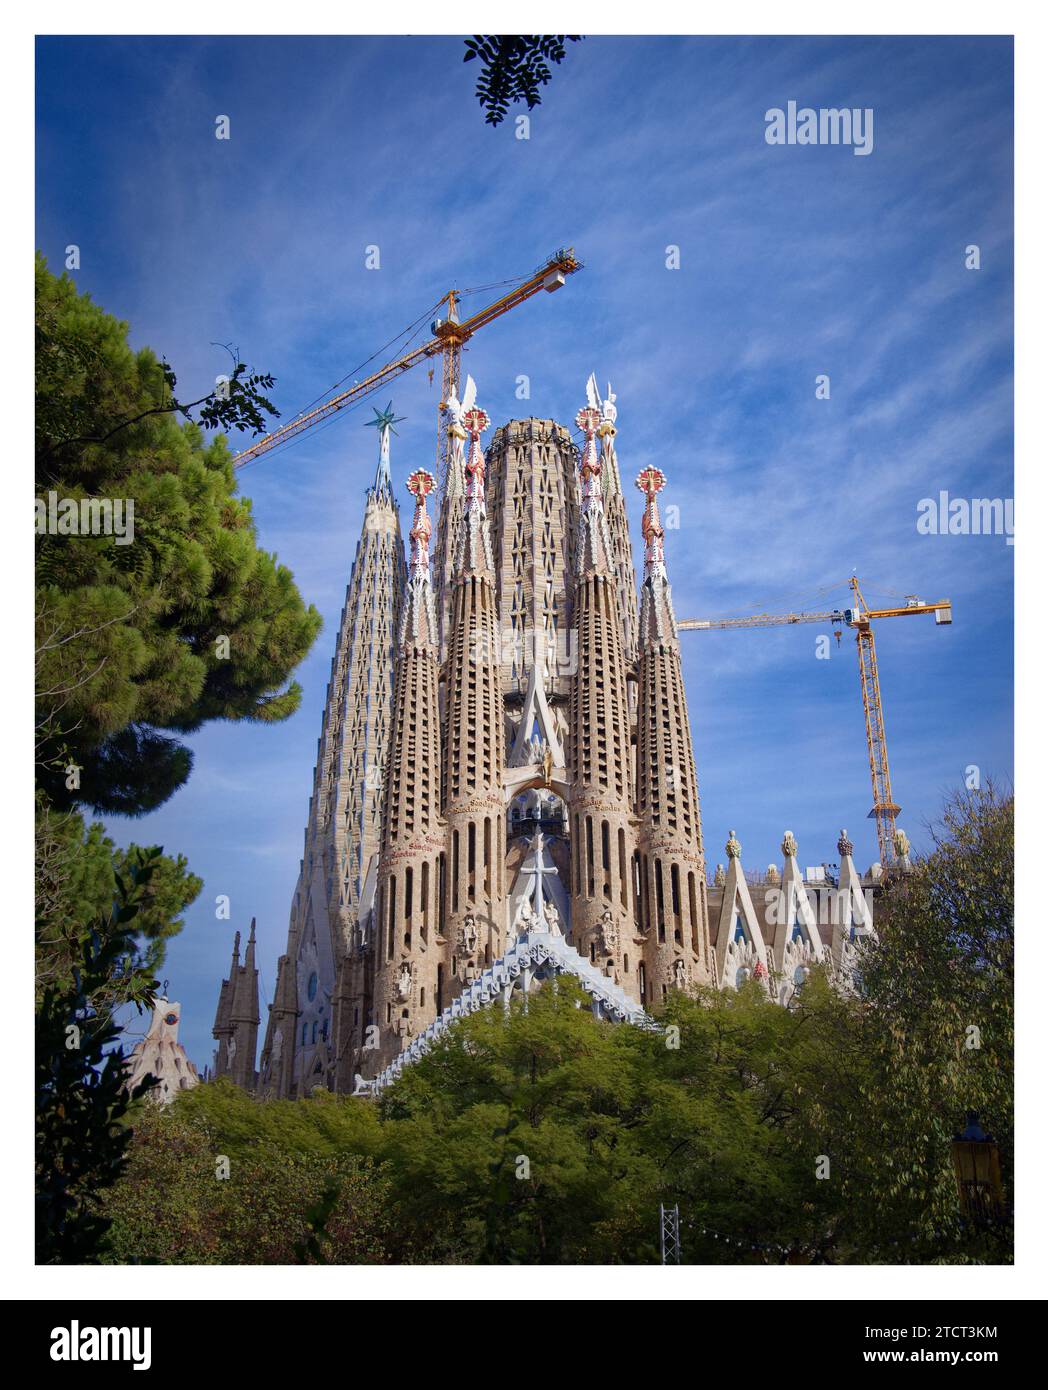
[538, 868]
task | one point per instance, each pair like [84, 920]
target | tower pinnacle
[384, 422]
[475, 545]
[657, 619]
[672, 864]
[419, 622]
[594, 549]
[617, 520]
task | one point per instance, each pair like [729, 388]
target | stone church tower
[325, 973]
[237, 1018]
[505, 750]
[406, 935]
[673, 910]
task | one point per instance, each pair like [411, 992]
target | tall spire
[657, 619]
[419, 623]
[475, 541]
[594, 544]
[618, 522]
[245, 994]
[474, 742]
[237, 1018]
[407, 936]
[384, 422]
[344, 824]
[452, 502]
[674, 907]
[600, 801]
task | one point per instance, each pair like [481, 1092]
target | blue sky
[795, 261]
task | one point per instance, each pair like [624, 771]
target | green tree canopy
[140, 642]
[77, 872]
[815, 1133]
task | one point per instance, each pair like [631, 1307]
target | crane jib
[449, 335]
[885, 810]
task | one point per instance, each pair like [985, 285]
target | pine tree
[190, 621]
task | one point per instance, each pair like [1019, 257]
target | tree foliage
[939, 1025]
[140, 642]
[81, 1083]
[818, 1133]
[515, 67]
[267, 1203]
[77, 869]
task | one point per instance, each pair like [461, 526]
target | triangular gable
[740, 941]
[852, 918]
[536, 714]
[796, 927]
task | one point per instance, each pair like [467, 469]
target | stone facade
[538, 783]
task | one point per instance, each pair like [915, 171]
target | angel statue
[456, 412]
[609, 412]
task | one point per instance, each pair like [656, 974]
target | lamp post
[977, 1164]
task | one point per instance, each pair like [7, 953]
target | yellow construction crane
[449, 335]
[858, 617]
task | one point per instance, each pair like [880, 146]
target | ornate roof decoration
[844, 845]
[418, 599]
[384, 422]
[789, 844]
[733, 847]
[658, 622]
[475, 546]
[594, 547]
[420, 485]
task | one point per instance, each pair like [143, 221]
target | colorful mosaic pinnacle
[420, 485]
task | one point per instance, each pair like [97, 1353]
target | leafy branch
[515, 67]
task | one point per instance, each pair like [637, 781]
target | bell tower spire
[329, 969]
[674, 912]
[600, 804]
[474, 743]
[618, 523]
[407, 921]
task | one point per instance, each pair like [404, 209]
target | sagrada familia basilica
[505, 785]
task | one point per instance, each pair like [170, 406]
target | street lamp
[977, 1164]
